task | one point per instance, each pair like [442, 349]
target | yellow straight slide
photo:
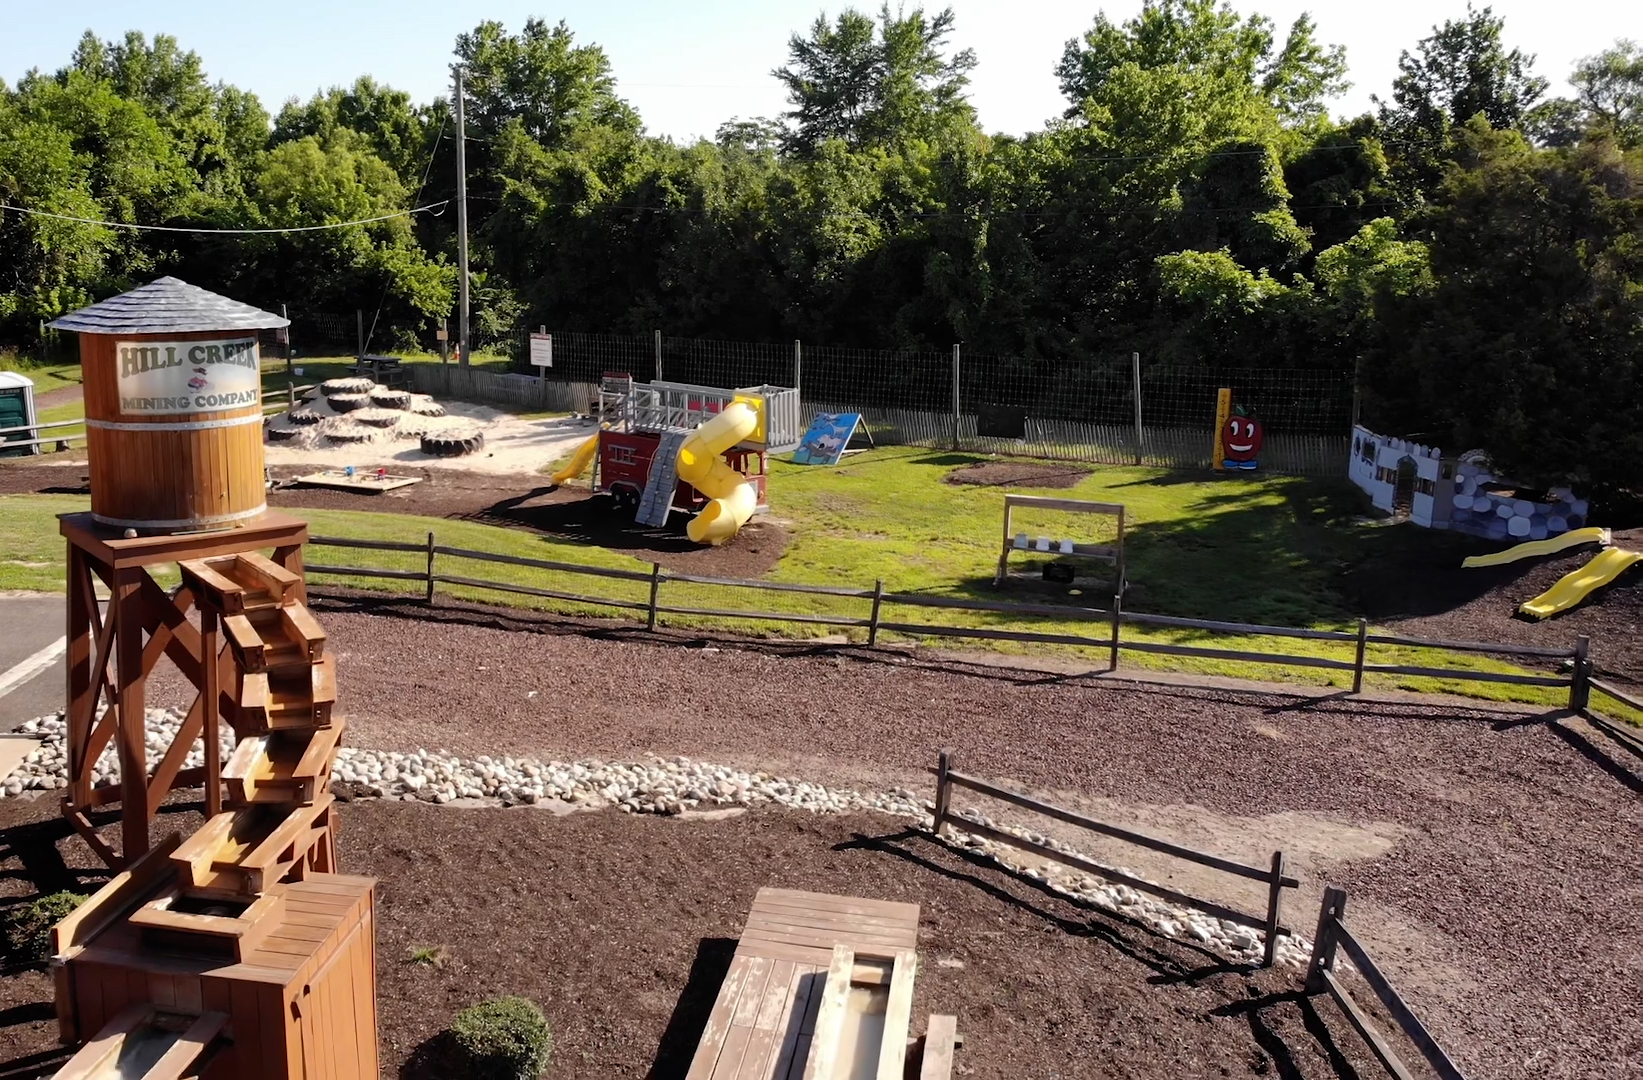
[1571, 589]
[578, 462]
[700, 466]
[1549, 546]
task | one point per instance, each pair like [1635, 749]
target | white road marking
[34, 665]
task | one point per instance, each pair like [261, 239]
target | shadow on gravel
[689, 1019]
[1620, 769]
[32, 1066]
[1129, 937]
[1263, 1030]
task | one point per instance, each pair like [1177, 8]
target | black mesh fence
[1078, 409]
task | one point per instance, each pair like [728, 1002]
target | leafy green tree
[1463, 69]
[1214, 43]
[1527, 345]
[1341, 181]
[394, 128]
[1608, 96]
[880, 83]
[540, 79]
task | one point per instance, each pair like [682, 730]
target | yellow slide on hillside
[578, 462]
[700, 466]
[1571, 589]
[1549, 546]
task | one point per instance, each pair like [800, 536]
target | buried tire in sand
[453, 443]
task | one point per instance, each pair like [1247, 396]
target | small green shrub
[427, 955]
[27, 927]
[506, 1038]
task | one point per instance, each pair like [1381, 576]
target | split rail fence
[1269, 923]
[1334, 936]
[879, 604]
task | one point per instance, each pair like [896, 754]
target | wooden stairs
[279, 687]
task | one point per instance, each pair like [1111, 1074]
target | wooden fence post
[1117, 618]
[1323, 943]
[873, 623]
[1580, 690]
[428, 597]
[1357, 665]
[655, 587]
[1274, 904]
[944, 790]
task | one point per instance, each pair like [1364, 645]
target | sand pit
[365, 434]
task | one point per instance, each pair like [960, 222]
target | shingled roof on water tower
[168, 306]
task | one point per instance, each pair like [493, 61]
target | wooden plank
[807, 981]
[774, 1006]
[939, 1039]
[214, 588]
[824, 1043]
[304, 629]
[127, 610]
[834, 925]
[94, 1058]
[799, 954]
[898, 1018]
[1399, 1010]
[271, 575]
[872, 944]
[797, 909]
[853, 905]
[246, 642]
[1377, 1042]
[738, 1037]
[108, 903]
[717, 1027]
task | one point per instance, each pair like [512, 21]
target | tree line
[1471, 247]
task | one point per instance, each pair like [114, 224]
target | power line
[437, 207]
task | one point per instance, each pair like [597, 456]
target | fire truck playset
[663, 446]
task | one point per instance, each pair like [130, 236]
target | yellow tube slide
[1535, 548]
[702, 468]
[1573, 588]
[578, 462]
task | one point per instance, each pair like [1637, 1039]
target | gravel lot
[1487, 853]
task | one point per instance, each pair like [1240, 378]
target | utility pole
[461, 220]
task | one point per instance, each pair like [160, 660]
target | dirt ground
[1486, 851]
[1017, 474]
[612, 924]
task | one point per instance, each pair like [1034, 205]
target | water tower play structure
[238, 951]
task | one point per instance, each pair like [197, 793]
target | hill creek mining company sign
[171, 377]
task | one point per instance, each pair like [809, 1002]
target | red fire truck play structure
[636, 462]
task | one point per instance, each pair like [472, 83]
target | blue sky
[689, 66]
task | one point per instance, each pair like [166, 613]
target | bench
[820, 988]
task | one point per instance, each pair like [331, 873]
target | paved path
[32, 670]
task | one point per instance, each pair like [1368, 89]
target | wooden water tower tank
[173, 395]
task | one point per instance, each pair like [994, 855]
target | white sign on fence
[542, 350]
[171, 377]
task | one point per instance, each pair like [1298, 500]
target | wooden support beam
[127, 611]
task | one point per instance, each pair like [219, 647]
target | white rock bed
[662, 786]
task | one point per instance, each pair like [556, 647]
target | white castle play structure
[1461, 493]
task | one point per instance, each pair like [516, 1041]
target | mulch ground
[1433, 597]
[1017, 474]
[622, 928]
[1488, 853]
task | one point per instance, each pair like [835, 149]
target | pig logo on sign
[199, 381]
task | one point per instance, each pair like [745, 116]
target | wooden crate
[299, 994]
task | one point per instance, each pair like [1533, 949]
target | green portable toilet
[16, 411]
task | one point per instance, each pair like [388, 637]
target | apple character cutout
[1241, 441]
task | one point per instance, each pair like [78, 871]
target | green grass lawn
[1260, 550]
[46, 377]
